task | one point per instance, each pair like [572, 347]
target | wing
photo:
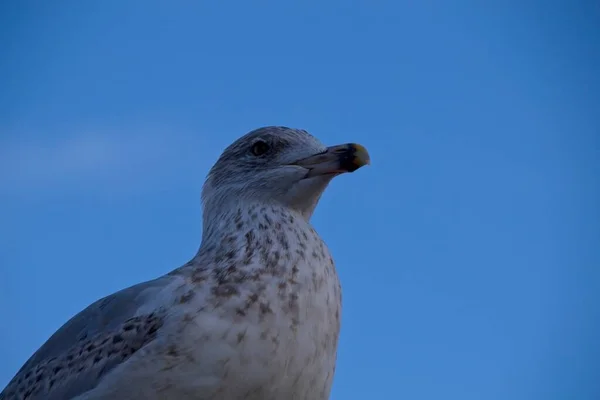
[88, 346]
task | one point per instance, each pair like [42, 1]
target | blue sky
[468, 251]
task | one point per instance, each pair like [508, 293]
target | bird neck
[225, 228]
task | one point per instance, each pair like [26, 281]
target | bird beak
[336, 160]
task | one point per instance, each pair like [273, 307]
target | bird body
[266, 312]
[254, 315]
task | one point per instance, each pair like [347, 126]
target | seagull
[254, 315]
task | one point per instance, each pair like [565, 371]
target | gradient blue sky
[468, 252]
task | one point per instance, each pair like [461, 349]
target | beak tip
[361, 156]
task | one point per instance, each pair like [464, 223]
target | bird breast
[267, 310]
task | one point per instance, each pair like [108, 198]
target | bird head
[278, 166]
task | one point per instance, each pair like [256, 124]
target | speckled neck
[245, 218]
[259, 240]
[255, 235]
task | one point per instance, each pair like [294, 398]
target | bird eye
[259, 148]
